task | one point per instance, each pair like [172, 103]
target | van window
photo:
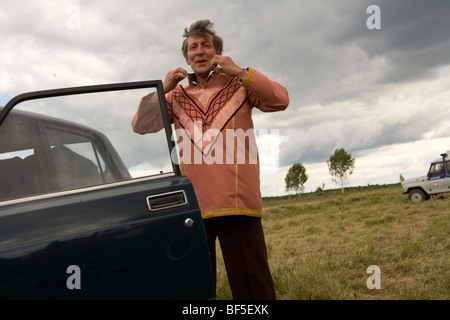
[437, 171]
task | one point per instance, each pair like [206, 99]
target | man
[212, 115]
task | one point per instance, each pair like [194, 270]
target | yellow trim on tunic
[248, 80]
[236, 177]
[232, 212]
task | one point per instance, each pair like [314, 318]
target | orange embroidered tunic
[216, 140]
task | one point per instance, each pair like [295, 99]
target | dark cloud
[349, 86]
[413, 36]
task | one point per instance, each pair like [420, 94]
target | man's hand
[229, 67]
[173, 78]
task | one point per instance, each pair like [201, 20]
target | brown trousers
[244, 252]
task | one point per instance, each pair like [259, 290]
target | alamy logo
[73, 281]
[374, 281]
[74, 20]
[228, 146]
[374, 21]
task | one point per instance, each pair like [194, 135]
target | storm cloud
[370, 91]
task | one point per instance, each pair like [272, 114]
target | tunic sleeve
[265, 94]
[148, 118]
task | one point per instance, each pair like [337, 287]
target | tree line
[340, 166]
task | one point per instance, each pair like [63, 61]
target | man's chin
[202, 73]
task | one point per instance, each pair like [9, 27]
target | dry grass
[320, 245]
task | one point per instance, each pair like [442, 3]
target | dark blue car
[90, 210]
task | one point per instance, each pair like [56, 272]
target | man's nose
[200, 51]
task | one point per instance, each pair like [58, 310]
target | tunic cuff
[248, 80]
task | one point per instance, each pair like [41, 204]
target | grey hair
[202, 28]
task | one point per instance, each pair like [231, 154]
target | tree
[341, 166]
[296, 178]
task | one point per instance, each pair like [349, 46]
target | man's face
[200, 52]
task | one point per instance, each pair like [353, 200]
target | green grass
[320, 245]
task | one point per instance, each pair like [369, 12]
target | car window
[18, 165]
[75, 160]
[76, 141]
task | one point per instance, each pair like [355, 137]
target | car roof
[25, 141]
[440, 160]
[40, 117]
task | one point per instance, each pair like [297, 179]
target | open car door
[91, 210]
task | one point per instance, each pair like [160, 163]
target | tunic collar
[192, 78]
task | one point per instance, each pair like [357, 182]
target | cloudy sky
[379, 88]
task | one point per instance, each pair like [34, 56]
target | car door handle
[166, 200]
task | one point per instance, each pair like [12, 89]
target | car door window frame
[101, 88]
[151, 84]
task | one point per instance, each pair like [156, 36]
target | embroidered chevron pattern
[197, 118]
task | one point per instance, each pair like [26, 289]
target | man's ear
[187, 62]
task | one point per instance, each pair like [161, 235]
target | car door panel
[42, 237]
[123, 238]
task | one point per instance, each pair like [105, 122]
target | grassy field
[321, 244]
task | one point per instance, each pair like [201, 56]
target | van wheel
[417, 195]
